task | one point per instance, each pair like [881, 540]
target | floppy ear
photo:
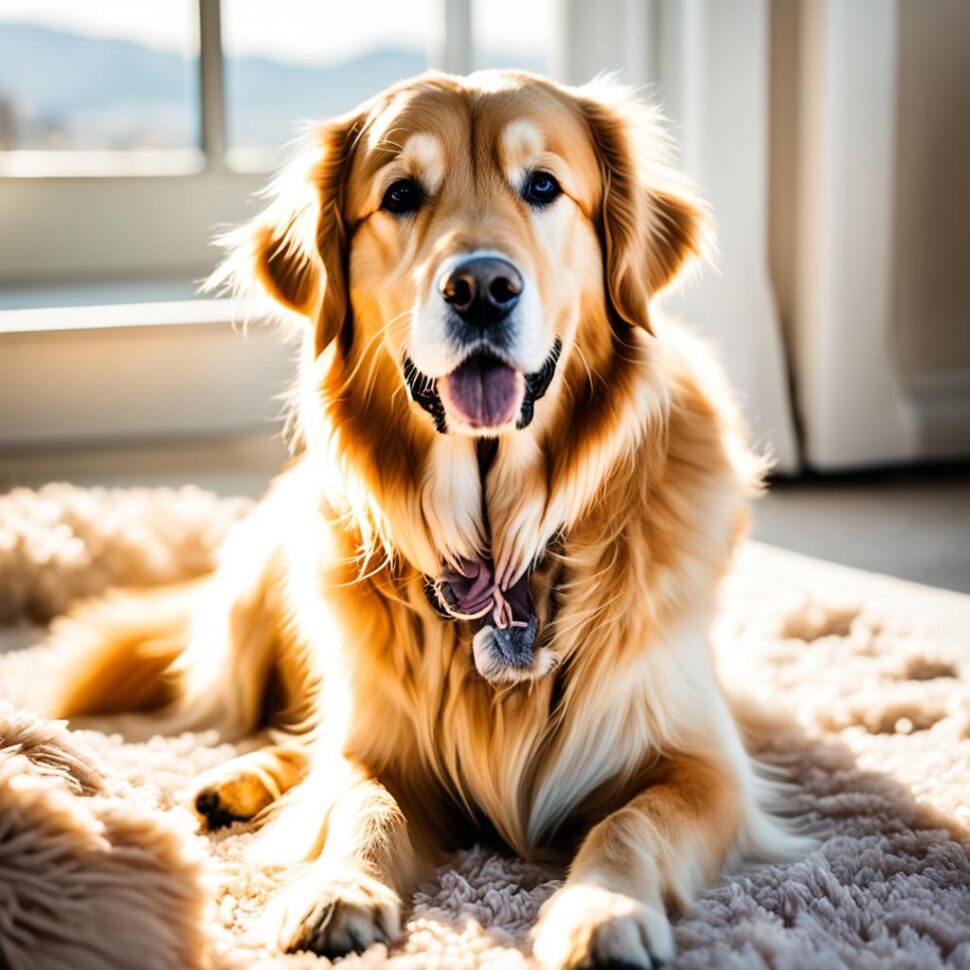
[649, 222]
[296, 248]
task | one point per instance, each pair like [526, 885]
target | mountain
[266, 100]
[60, 89]
[67, 90]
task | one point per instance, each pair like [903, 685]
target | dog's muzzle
[424, 392]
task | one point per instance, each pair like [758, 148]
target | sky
[304, 31]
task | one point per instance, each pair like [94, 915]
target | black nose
[483, 289]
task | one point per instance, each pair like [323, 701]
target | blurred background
[831, 138]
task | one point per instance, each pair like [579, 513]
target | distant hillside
[269, 98]
[88, 92]
[60, 89]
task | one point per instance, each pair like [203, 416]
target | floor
[913, 524]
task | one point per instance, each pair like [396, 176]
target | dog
[476, 605]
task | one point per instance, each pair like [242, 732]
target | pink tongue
[484, 391]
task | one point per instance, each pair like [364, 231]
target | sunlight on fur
[476, 605]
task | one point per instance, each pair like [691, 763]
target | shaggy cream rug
[858, 686]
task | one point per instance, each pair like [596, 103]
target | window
[511, 33]
[112, 75]
[109, 106]
[278, 76]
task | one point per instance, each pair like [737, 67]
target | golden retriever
[476, 606]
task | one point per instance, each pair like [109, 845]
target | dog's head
[471, 236]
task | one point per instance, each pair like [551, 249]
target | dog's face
[464, 228]
[474, 235]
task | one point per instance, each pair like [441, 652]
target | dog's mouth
[484, 392]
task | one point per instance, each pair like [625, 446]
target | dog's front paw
[332, 913]
[227, 794]
[587, 927]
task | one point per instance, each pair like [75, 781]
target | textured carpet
[858, 686]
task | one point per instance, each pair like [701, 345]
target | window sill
[100, 164]
[50, 296]
[100, 316]
[128, 371]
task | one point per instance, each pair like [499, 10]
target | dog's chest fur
[523, 760]
[631, 606]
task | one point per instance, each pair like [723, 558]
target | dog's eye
[402, 196]
[541, 189]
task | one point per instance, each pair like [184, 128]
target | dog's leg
[183, 658]
[652, 853]
[351, 895]
[241, 788]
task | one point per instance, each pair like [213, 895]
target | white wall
[873, 267]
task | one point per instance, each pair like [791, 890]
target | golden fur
[625, 495]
